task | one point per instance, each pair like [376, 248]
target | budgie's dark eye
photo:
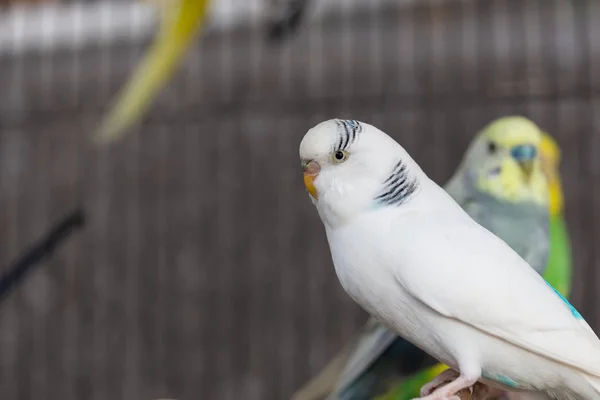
[492, 147]
[339, 156]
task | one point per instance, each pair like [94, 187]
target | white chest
[371, 283]
[369, 277]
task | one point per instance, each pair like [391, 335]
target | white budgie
[406, 252]
[501, 184]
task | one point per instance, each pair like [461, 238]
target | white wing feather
[504, 297]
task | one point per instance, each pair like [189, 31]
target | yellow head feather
[550, 158]
[513, 130]
[511, 183]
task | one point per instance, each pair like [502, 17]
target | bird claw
[442, 397]
[444, 377]
[477, 391]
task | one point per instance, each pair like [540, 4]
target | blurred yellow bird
[180, 21]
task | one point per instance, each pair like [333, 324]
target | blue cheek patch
[505, 380]
[495, 172]
[376, 204]
[573, 310]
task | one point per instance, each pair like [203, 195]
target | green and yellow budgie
[180, 21]
[502, 183]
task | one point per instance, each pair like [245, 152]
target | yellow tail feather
[177, 31]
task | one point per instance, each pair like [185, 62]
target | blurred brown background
[203, 272]
[25, 2]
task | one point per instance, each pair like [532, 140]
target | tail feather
[178, 28]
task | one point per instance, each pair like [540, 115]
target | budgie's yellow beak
[527, 168]
[550, 160]
[180, 21]
[311, 171]
[526, 156]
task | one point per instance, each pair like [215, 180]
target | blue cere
[523, 152]
[573, 310]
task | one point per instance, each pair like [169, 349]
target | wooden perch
[479, 391]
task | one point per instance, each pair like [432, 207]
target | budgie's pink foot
[447, 375]
[449, 391]
[479, 391]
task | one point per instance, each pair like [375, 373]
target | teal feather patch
[573, 310]
[505, 380]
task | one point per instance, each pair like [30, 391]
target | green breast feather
[559, 269]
